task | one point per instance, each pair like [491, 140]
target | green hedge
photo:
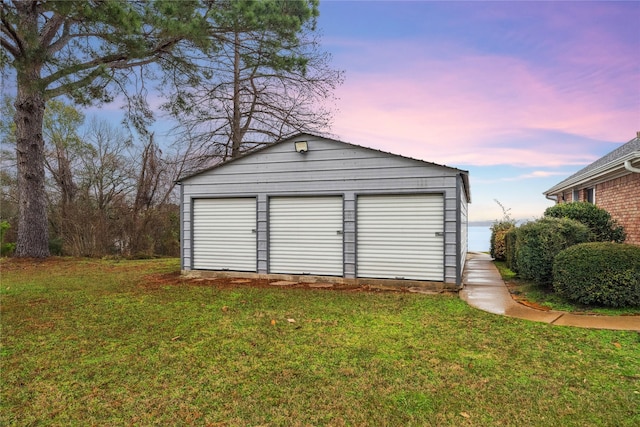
[510, 239]
[605, 274]
[538, 243]
[599, 221]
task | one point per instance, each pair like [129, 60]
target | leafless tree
[261, 86]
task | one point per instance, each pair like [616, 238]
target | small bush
[499, 229]
[538, 243]
[605, 274]
[6, 249]
[55, 246]
[498, 232]
[599, 221]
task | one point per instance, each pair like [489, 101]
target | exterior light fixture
[301, 147]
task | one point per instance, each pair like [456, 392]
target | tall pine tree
[77, 48]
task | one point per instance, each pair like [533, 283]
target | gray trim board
[458, 233]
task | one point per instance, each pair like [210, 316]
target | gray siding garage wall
[330, 168]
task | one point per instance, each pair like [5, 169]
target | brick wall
[565, 197]
[621, 198]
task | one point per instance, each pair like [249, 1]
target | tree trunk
[236, 136]
[33, 235]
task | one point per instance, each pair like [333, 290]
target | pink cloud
[470, 108]
[528, 176]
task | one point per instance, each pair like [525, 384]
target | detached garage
[316, 209]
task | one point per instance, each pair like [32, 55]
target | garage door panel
[383, 253]
[224, 235]
[417, 234]
[305, 235]
[400, 236]
[222, 254]
[307, 264]
[407, 273]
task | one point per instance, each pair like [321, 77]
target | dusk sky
[520, 94]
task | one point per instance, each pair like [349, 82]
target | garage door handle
[253, 231]
[439, 233]
[339, 232]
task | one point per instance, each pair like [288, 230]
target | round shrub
[538, 243]
[599, 273]
[497, 245]
[599, 221]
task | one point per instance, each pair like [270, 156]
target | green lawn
[89, 342]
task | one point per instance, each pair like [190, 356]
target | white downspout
[627, 166]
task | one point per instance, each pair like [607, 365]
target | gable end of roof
[299, 135]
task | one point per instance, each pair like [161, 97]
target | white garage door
[224, 234]
[305, 235]
[401, 236]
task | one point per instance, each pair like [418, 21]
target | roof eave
[610, 167]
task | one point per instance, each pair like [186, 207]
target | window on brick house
[590, 195]
[576, 196]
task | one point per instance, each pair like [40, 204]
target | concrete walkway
[485, 289]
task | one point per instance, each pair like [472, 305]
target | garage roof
[464, 173]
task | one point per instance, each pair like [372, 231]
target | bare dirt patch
[18, 264]
[176, 279]
[68, 264]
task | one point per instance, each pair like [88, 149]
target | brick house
[612, 183]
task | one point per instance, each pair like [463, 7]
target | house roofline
[613, 166]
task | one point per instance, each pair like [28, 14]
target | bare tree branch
[8, 29]
[50, 29]
[62, 41]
